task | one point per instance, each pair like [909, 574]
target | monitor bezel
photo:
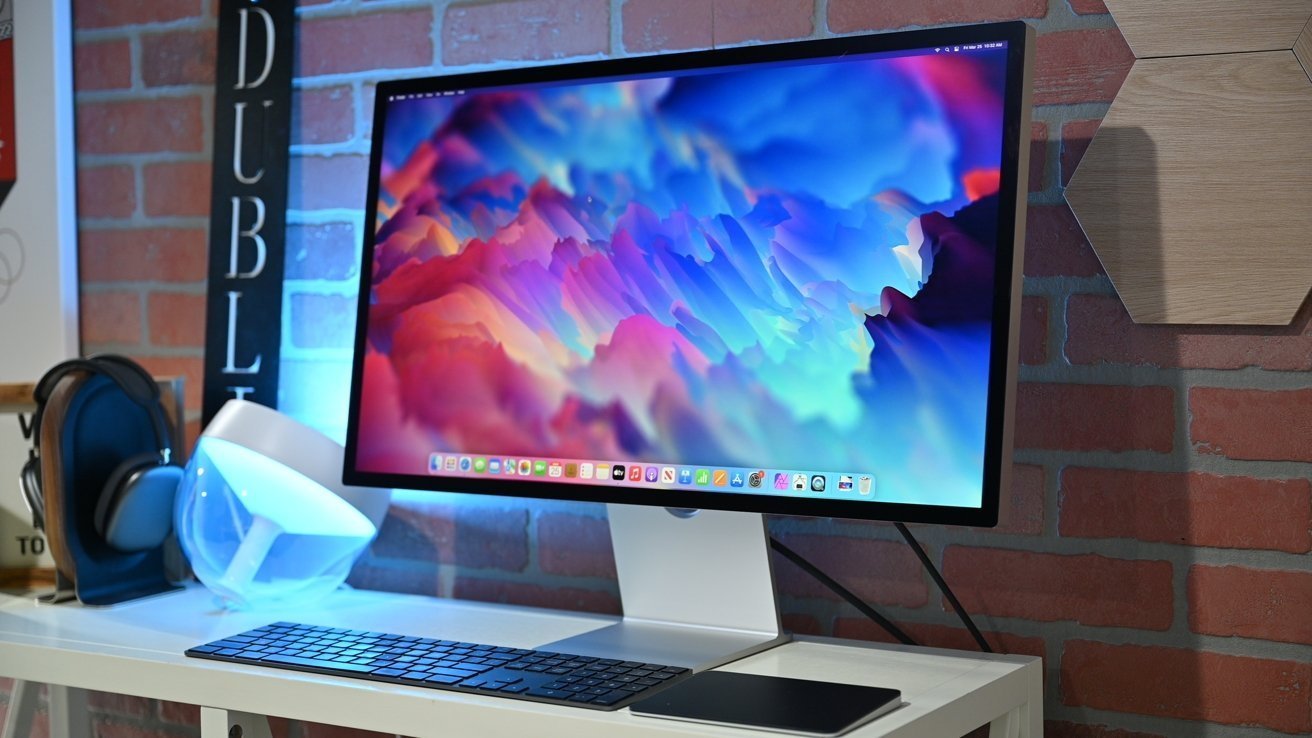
[999, 409]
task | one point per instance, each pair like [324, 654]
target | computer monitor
[769, 279]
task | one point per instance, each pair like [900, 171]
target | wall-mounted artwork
[38, 225]
[1195, 192]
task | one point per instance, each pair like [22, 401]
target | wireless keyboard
[518, 673]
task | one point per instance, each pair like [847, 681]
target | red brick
[120, 704]
[1252, 424]
[179, 713]
[417, 529]
[737, 21]
[111, 13]
[661, 25]
[323, 321]
[102, 65]
[323, 115]
[1089, 7]
[667, 25]
[176, 319]
[524, 29]
[383, 40]
[940, 636]
[880, 572]
[1062, 729]
[191, 369]
[177, 188]
[492, 538]
[147, 254]
[319, 182]
[1075, 138]
[166, 124]
[1023, 513]
[1100, 330]
[846, 16]
[575, 546]
[322, 251]
[535, 595]
[191, 432]
[368, 575]
[1254, 603]
[1038, 155]
[122, 729]
[178, 58]
[110, 317]
[1191, 509]
[1034, 330]
[1095, 417]
[1087, 588]
[106, 192]
[320, 730]
[1188, 684]
[1080, 66]
[1055, 244]
[801, 624]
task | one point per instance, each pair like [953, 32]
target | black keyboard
[518, 673]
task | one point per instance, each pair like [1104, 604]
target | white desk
[136, 649]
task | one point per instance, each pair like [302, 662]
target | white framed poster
[38, 228]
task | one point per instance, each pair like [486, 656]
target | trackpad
[770, 703]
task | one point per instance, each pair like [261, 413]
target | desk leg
[1008, 726]
[22, 706]
[219, 723]
[68, 712]
[1025, 721]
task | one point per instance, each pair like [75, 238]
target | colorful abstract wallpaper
[787, 266]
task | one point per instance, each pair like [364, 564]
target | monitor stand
[696, 587]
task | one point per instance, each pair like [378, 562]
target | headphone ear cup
[135, 509]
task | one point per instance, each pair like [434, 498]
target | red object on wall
[8, 146]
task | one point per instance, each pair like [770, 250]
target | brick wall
[1157, 555]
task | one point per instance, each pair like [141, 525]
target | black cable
[841, 591]
[943, 587]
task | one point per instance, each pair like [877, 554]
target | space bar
[318, 664]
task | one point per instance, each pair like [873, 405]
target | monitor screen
[772, 278]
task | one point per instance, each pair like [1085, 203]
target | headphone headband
[130, 377]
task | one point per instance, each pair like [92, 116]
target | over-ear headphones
[134, 510]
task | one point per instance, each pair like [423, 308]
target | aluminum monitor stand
[696, 587]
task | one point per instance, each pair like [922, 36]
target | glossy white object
[256, 515]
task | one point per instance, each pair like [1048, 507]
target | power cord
[944, 588]
[841, 591]
[871, 612]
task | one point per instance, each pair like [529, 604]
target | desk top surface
[137, 649]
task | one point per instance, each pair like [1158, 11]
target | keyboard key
[442, 679]
[317, 663]
[582, 698]
[555, 694]
[514, 688]
[611, 698]
[388, 672]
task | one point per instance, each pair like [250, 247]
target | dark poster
[248, 213]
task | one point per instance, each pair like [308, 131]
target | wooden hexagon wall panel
[1196, 192]
[1303, 48]
[1156, 28]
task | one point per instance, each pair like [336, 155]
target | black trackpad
[770, 703]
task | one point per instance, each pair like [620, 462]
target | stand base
[673, 645]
